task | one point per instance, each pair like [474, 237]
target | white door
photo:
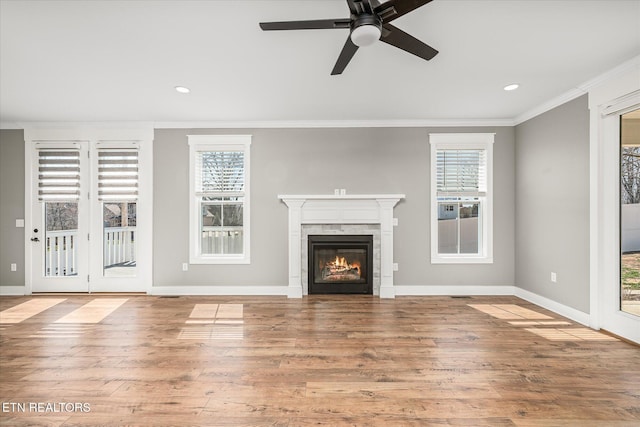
[115, 243]
[619, 237]
[59, 222]
[90, 210]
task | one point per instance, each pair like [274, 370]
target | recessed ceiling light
[183, 89]
[513, 86]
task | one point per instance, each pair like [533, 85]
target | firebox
[340, 264]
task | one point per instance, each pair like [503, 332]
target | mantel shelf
[340, 197]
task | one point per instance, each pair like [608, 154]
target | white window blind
[220, 172]
[58, 174]
[118, 174]
[461, 172]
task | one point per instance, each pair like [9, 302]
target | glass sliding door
[119, 239]
[630, 212]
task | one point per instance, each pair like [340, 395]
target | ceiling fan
[369, 21]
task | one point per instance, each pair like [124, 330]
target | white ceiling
[112, 60]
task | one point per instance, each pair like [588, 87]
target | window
[461, 198]
[219, 190]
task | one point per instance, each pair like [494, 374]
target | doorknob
[35, 239]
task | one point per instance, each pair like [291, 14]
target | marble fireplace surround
[341, 214]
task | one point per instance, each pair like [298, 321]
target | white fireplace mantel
[341, 209]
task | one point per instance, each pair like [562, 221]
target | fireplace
[340, 264]
[349, 214]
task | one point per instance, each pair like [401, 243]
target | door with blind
[59, 230]
[89, 220]
[114, 221]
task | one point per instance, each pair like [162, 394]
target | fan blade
[394, 9]
[398, 38]
[348, 50]
[318, 24]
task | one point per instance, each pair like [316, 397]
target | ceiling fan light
[365, 35]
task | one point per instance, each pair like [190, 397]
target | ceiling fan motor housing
[365, 29]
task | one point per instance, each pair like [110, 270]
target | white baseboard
[556, 307]
[13, 290]
[220, 290]
[453, 290]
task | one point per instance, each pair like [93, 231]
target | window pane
[220, 171]
[448, 228]
[221, 241]
[61, 233]
[232, 215]
[211, 215]
[119, 239]
[469, 228]
[221, 229]
[461, 170]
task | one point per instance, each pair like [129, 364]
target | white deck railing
[61, 251]
[119, 246]
[222, 241]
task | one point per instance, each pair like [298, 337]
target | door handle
[35, 239]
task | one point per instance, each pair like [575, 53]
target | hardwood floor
[323, 360]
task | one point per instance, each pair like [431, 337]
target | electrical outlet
[554, 277]
[395, 266]
[395, 222]
[14, 267]
[185, 266]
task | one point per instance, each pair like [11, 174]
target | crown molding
[11, 125]
[274, 124]
[269, 124]
[580, 90]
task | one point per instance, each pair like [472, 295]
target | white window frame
[462, 141]
[199, 143]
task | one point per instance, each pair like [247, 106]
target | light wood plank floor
[322, 360]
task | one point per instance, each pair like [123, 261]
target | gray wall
[315, 161]
[552, 204]
[11, 206]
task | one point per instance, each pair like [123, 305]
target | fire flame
[341, 263]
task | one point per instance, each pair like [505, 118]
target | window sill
[461, 260]
[220, 260]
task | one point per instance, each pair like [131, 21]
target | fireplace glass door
[340, 264]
